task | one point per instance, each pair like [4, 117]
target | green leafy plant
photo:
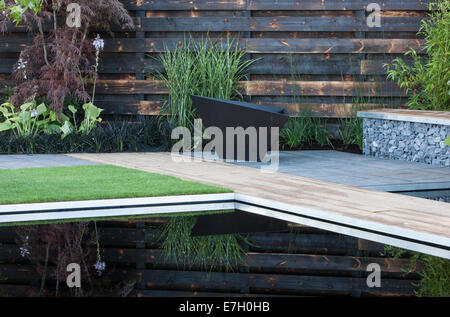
[320, 133]
[447, 142]
[142, 134]
[30, 120]
[305, 129]
[201, 68]
[435, 275]
[351, 131]
[17, 10]
[427, 79]
[181, 80]
[296, 132]
[91, 119]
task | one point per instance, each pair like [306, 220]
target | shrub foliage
[60, 62]
[426, 80]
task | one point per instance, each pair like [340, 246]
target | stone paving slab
[363, 171]
[41, 160]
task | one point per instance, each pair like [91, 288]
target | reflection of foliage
[209, 252]
[53, 247]
[435, 275]
[447, 142]
[2, 278]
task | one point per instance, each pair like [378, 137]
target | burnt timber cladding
[318, 53]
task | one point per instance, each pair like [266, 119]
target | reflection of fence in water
[301, 261]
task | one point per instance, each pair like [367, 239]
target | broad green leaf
[5, 126]
[73, 109]
[41, 109]
[26, 106]
[66, 129]
[52, 128]
[447, 142]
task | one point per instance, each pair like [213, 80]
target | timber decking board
[315, 196]
[430, 117]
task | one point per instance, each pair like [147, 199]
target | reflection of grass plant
[435, 275]
[209, 252]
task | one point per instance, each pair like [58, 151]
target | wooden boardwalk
[412, 223]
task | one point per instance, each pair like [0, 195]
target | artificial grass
[58, 184]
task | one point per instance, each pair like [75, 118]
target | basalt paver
[40, 160]
[362, 171]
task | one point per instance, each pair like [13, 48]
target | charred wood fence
[317, 55]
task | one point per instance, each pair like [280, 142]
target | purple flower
[100, 267]
[98, 43]
[24, 252]
[34, 113]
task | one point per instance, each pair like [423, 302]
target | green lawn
[90, 183]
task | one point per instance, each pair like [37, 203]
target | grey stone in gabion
[410, 141]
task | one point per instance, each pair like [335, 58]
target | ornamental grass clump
[204, 67]
[211, 69]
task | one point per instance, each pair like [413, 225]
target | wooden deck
[420, 116]
[412, 223]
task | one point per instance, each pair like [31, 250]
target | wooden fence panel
[315, 55]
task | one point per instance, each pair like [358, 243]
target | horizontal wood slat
[263, 88]
[304, 48]
[264, 283]
[269, 64]
[265, 45]
[292, 24]
[274, 262]
[261, 24]
[337, 5]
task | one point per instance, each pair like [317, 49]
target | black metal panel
[224, 113]
[236, 222]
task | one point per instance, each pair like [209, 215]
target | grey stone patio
[363, 171]
[36, 161]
